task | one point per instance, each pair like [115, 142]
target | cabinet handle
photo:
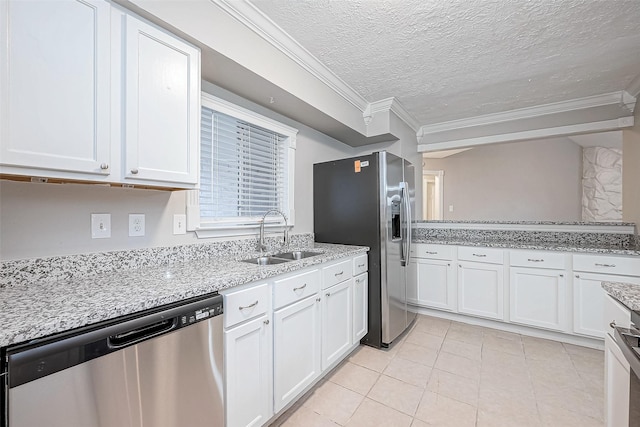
[535, 260]
[338, 274]
[561, 275]
[605, 265]
[266, 322]
[612, 325]
[479, 255]
[134, 171]
[248, 306]
[431, 253]
[318, 299]
[300, 287]
[104, 166]
[448, 264]
[328, 294]
[577, 276]
[459, 265]
[360, 265]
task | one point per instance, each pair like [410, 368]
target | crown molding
[393, 105]
[634, 87]
[621, 98]
[254, 19]
[602, 126]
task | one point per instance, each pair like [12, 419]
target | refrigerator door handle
[408, 219]
[404, 247]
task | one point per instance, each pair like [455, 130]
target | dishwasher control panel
[212, 310]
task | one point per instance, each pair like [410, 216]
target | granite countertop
[511, 244]
[45, 308]
[627, 293]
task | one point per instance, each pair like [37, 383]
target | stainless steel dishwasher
[159, 368]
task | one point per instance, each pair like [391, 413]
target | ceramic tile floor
[445, 373]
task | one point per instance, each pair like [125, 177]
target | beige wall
[524, 181]
[39, 220]
[631, 171]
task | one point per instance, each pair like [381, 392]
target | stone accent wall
[602, 184]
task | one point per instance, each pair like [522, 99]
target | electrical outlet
[179, 224]
[450, 208]
[100, 226]
[136, 225]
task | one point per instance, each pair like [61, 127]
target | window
[246, 169]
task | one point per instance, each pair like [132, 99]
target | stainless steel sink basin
[296, 255]
[265, 260]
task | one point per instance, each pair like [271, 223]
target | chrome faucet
[261, 246]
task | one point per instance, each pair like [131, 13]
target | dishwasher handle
[142, 333]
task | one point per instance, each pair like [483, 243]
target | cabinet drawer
[607, 264]
[245, 304]
[538, 259]
[295, 288]
[488, 255]
[421, 250]
[360, 264]
[336, 273]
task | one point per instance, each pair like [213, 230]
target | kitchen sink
[265, 260]
[296, 255]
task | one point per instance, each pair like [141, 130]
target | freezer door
[410, 180]
[393, 287]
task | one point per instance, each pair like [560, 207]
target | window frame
[244, 225]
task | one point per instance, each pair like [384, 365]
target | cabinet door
[435, 284]
[248, 367]
[296, 349]
[616, 373]
[537, 297]
[360, 306]
[336, 322]
[162, 103]
[481, 289]
[55, 85]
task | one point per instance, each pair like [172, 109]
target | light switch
[450, 208]
[100, 226]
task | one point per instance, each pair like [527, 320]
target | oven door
[629, 342]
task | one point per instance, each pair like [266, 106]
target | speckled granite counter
[544, 246]
[627, 293]
[29, 312]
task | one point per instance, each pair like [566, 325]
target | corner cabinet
[282, 336]
[55, 81]
[119, 101]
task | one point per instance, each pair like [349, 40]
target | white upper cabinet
[55, 86]
[95, 93]
[162, 100]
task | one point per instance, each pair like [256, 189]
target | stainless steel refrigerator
[368, 201]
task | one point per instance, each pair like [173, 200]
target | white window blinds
[243, 169]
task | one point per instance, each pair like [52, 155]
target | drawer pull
[605, 265]
[248, 306]
[300, 287]
[561, 275]
[535, 260]
[266, 322]
[339, 274]
[612, 325]
[318, 299]
[360, 265]
[479, 255]
[431, 253]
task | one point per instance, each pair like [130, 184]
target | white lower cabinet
[537, 297]
[481, 289]
[617, 372]
[432, 284]
[360, 307]
[336, 322]
[296, 349]
[249, 370]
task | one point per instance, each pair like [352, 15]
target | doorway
[432, 200]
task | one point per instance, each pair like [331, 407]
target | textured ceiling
[454, 59]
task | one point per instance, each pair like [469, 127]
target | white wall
[531, 180]
[38, 220]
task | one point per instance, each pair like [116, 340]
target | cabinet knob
[266, 322]
[561, 275]
[577, 276]
[612, 324]
[328, 294]
[134, 171]
[318, 299]
[448, 264]
[104, 166]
